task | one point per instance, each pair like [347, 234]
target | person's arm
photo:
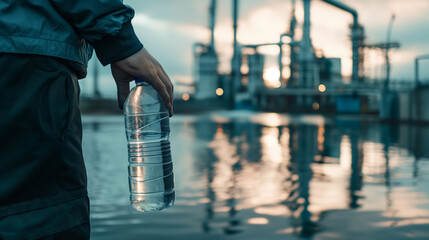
[106, 25]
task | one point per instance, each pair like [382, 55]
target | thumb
[123, 91]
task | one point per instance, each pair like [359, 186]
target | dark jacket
[67, 29]
[42, 173]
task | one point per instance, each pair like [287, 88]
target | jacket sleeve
[105, 24]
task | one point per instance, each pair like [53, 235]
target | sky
[169, 28]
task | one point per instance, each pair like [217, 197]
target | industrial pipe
[212, 23]
[306, 50]
[416, 67]
[416, 97]
[344, 7]
[236, 58]
[235, 25]
[386, 51]
[355, 36]
[293, 53]
[280, 62]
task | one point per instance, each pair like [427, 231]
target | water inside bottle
[155, 202]
[151, 177]
[147, 127]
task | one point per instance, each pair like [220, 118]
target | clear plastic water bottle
[150, 167]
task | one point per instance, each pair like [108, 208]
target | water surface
[245, 175]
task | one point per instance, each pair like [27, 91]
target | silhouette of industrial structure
[307, 82]
[313, 82]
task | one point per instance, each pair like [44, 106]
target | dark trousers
[42, 172]
[75, 233]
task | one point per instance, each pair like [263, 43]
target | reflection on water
[268, 176]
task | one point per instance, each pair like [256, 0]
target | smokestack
[306, 51]
[236, 61]
[212, 22]
[356, 35]
[235, 20]
[293, 21]
[307, 24]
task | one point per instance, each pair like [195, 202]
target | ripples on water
[268, 176]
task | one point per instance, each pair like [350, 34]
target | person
[45, 46]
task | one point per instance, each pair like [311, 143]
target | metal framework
[416, 67]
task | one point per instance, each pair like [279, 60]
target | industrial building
[314, 82]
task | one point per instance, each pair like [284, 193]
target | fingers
[169, 86]
[143, 65]
[163, 91]
[161, 82]
[123, 91]
[162, 75]
[122, 80]
[119, 74]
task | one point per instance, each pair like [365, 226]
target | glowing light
[185, 97]
[322, 88]
[271, 77]
[244, 69]
[286, 39]
[316, 106]
[286, 61]
[286, 72]
[219, 91]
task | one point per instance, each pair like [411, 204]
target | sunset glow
[271, 77]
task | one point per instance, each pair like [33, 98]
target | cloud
[183, 11]
[171, 27]
[170, 42]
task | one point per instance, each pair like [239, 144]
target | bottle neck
[142, 84]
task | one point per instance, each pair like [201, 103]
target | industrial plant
[307, 80]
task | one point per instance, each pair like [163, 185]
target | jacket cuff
[111, 49]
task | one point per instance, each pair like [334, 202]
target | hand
[146, 67]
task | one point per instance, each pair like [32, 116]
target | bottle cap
[138, 80]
